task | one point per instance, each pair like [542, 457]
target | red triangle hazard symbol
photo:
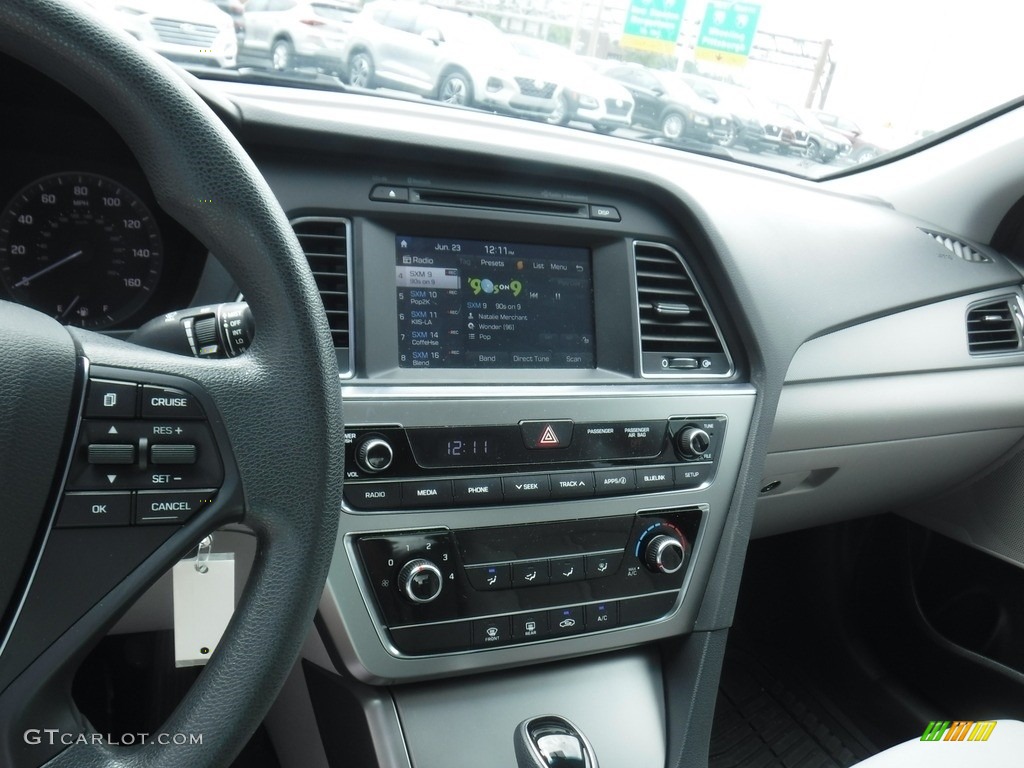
[549, 437]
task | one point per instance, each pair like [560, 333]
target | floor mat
[761, 722]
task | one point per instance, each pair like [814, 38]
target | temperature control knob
[693, 442]
[665, 554]
[375, 455]
[420, 581]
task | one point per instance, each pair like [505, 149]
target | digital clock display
[468, 449]
[481, 304]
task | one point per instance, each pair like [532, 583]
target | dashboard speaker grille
[678, 334]
[994, 326]
[959, 249]
[325, 242]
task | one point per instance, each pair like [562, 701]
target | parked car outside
[824, 144]
[750, 130]
[291, 33]
[863, 149]
[452, 56]
[667, 104]
[187, 31]
[583, 94]
[236, 10]
[785, 134]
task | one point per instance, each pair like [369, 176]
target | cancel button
[160, 508]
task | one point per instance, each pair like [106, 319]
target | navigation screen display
[484, 304]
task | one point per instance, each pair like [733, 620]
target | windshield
[801, 86]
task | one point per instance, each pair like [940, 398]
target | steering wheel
[274, 414]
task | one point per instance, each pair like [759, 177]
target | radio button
[530, 574]
[478, 491]
[602, 565]
[547, 434]
[427, 494]
[573, 485]
[615, 481]
[568, 569]
[654, 479]
[487, 578]
[526, 488]
[373, 495]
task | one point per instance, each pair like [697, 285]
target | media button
[526, 488]
[572, 485]
[615, 481]
[654, 479]
[478, 490]
[427, 494]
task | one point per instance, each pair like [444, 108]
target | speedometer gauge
[80, 247]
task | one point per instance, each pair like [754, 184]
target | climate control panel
[442, 591]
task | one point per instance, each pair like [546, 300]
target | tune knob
[420, 581]
[665, 554]
[375, 455]
[693, 442]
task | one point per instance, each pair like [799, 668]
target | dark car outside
[665, 103]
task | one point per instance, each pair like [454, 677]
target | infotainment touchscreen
[490, 304]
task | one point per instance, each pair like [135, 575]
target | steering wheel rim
[279, 403]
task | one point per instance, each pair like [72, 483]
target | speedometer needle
[25, 281]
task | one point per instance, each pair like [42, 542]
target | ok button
[80, 510]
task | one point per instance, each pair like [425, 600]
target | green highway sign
[727, 32]
[653, 25]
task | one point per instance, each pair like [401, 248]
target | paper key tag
[203, 604]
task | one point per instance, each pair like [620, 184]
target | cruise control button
[373, 495]
[478, 490]
[94, 509]
[547, 434]
[427, 494]
[566, 621]
[573, 485]
[526, 488]
[169, 403]
[490, 577]
[172, 454]
[111, 399]
[654, 479]
[159, 508]
[615, 481]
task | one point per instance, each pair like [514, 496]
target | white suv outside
[451, 56]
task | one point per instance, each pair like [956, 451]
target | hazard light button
[547, 434]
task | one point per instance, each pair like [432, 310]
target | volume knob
[375, 455]
[420, 581]
[665, 554]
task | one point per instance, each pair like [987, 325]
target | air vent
[678, 335]
[325, 242]
[958, 248]
[994, 326]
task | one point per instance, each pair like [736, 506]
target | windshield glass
[801, 86]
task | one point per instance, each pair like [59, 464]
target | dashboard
[572, 392]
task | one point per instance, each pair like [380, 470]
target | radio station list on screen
[483, 304]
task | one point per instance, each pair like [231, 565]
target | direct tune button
[693, 442]
[375, 455]
[420, 581]
[665, 554]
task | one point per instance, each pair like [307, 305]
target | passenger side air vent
[956, 247]
[994, 326]
[326, 244]
[678, 334]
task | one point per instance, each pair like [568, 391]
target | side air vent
[994, 326]
[678, 334]
[958, 248]
[326, 244]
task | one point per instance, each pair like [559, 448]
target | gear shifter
[550, 741]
